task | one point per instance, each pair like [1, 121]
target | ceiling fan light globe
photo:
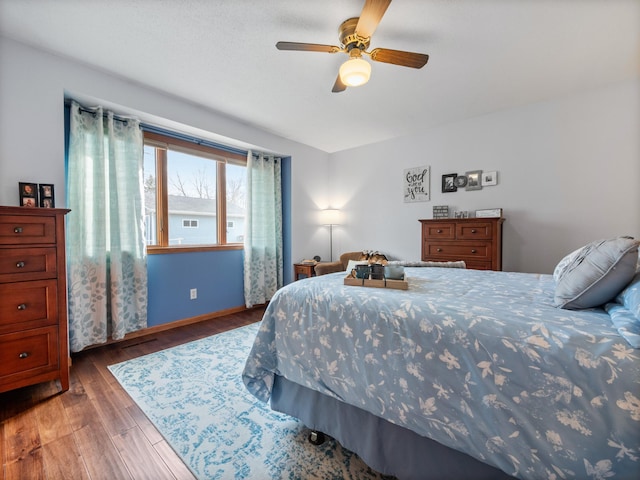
[355, 72]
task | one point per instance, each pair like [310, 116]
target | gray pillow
[597, 273]
[565, 263]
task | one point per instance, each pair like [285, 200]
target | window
[190, 223]
[192, 191]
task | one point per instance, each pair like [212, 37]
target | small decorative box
[441, 211]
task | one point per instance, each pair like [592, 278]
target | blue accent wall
[218, 276]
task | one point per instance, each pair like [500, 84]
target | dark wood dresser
[34, 344]
[477, 241]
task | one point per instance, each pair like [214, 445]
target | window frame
[162, 143]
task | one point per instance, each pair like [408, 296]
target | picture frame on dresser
[489, 212]
[28, 194]
[47, 199]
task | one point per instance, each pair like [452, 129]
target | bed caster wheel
[316, 438]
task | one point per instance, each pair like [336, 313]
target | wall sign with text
[416, 184]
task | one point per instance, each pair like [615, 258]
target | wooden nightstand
[306, 269]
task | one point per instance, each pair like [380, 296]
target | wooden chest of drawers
[477, 241]
[34, 344]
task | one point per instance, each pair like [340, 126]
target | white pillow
[352, 264]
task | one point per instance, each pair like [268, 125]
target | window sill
[154, 250]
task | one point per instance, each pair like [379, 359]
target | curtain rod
[93, 112]
[83, 109]
[171, 133]
[191, 139]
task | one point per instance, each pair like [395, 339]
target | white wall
[569, 173]
[32, 89]
[569, 168]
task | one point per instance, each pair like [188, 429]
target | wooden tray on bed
[386, 283]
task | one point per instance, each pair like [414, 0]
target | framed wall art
[28, 194]
[416, 184]
[489, 178]
[46, 195]
[448, 183]
[474, 180]
[460, 181]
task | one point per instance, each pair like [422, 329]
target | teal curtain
[263, 265]
[106, 256]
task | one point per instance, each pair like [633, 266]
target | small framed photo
[489, 178]
[46, 195]
[448, 183]
[474, 180]
[28, 194]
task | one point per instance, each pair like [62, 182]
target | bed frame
[385, 447]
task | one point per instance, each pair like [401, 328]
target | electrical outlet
[193, 293]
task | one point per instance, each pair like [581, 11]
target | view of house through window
[194, 195]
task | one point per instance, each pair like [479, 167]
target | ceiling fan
[355, 36]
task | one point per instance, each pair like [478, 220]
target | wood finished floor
[94, 430]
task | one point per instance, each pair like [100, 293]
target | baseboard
[177, 324]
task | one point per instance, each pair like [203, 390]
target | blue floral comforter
[479, 361]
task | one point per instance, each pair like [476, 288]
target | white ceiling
[485, 55]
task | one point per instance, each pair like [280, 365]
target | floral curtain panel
[106, 256]
[263, 264]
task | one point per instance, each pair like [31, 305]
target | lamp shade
[355, 72]
[330, 216]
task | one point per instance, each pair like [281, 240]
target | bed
[467, 374]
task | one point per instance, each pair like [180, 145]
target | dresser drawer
[20, 264]
[459, 251]
[474, 231]
[28, 305]
[28, 353]
[476, 265]
[22, 230]
[441, 231]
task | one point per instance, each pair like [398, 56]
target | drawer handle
[20, 265]
[22, 306]
[23, 355]
[438, 249]
[473, 250]
[438, 231]
[473, 230]
[17, 230]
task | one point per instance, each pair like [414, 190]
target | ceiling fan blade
[307, 47]
[338, 86]
[398, 57]
[370, 17]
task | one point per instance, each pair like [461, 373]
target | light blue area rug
[195, 397]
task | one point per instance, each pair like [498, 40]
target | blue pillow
[596, 273]
[627, 323]
[630, 296]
